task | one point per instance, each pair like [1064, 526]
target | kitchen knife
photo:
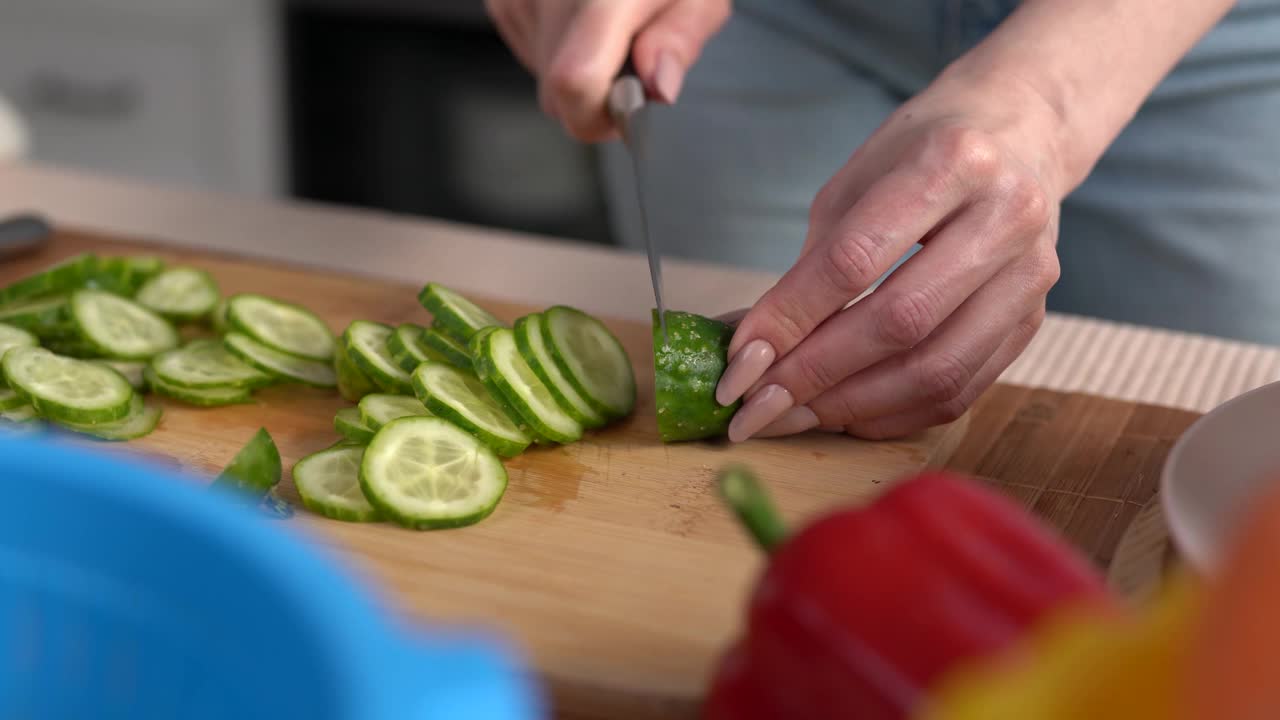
[22, 234]
[629, 108]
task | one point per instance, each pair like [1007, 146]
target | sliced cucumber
[11, 400]
[686, 371]
[353, 384]
[67, 390]
[505, 373]
[111, 274]
[12, 337]
[20, 415]
[255, 469]
[591, 359]
[273, 362]
[180, 294]
[144, 267]
[120, 328]
[58, 278]
[218, 317]
[533, 348]
[366, 345]
[329, 484]
[405, 346]
[285, 327]
[73, 346]
[427, 473]
[351, 426]
[379, 409]
[446, 348]
[454, 314]
[141, 421]
[211, 397]
[460, 398]
[45, 316]
[130, 370]
[206, 363]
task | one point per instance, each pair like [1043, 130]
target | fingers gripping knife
[628, 106]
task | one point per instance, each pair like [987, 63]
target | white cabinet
[184, 92]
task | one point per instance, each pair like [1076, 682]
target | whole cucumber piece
[687, 368]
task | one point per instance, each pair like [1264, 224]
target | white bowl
[1215, 468]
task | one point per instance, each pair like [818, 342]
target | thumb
[671, 42]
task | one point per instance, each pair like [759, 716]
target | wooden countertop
[1070, 353]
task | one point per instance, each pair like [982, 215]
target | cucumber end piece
[687, 369]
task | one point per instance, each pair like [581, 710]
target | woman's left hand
[971, 171]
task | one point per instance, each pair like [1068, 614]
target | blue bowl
[129, 592]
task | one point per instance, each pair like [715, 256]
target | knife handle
[23, 233]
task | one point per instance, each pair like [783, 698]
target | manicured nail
[746, 368]
[668, 76]
[763, 408]
[797, 420]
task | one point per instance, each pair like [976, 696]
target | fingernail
[744, 370]
[797, 420]
[762, 409]
[667, 77]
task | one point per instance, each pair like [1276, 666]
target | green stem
[753, 507]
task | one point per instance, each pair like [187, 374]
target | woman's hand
[575, 49]
[971, 171]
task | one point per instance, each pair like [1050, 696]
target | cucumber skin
[686, 372]
[503, 391]
[198, 398]
[360, 434]
[353, 383]
[385, 383]
[548, 337]
[590, 422]
[258, 457]
[447, 348]
[445, 320]
[503, 447]
[62, 276]
[407, 354]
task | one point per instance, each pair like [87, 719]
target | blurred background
[413, 106]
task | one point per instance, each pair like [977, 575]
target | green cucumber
[446, 348]
[130, 370]
[21, 415]
[181, 294]
[141, 421]
[281, 326]
[366, 345]
[591, 359]
[65, 389]
[12, 337]
[533, 347]
[378, 409]
[218, 318]
[211, 397]
[58, 278]
[405, 346]
[281, 365]
[686, 371]
[254, 470]
[11, 400]
[454, 314]
[45, 316]
[351, 426]
[506, 374]
[120, 328]
[329, 484]
[427, 473]
[459, 397]
[206, 363]
[353, 383]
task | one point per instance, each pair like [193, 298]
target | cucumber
[141, 421]
[686, 371]
[427, 473]
[281, 365]
[211, 397]
[329, 484]
[446, 348]
[351, 426]
[533, 348]
[254, 470]
[120, 328]
[455, 315]
[48, 315]
[366, 345]
[405, 347]
[58, 278]
[505, 373]
[205, 363]
[353, 384]
[284, 327]
[379, 409]
[11, 400]
[218, 317]
[67, 390]
[459, 397]
[21, 415]
[591, 359]
[12, 337]
[130, 370]
[181, 294]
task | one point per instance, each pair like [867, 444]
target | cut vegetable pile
[435, 407]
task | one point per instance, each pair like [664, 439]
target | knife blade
[628, 106]
[22, 234]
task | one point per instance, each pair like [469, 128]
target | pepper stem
[752, 505]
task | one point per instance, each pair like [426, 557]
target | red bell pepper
[859, 614]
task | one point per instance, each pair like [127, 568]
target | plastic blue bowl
[128, 592]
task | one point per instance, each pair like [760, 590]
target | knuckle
[968, 152]
[1027, 204]
[852, 261]
[943, 377]
[571, 81]
[1045, 272]
[815, 375]
[905, 320]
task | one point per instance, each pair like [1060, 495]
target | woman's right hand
[575, 49]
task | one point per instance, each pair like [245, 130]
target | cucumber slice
[20, 415]
[460, 398]
[12, 337]
[67, 390]
[454, 314]
[273, 362]
[205, 363]
[11, 400]
[144, 267]
[427, 473]
[180, 294]
[353, 384]
[211, 397]
[533, 348]
[119, 328]
[130, 370]
[285, 327]
[351, 426]
[58, 278]
[141, 421]
[686, 372]
[379, 409]
[255, 469]
[447, 349]
[591, 359]
[505, 373]
[111, 274]
[405, 346]
[366, 345]
[45, 316]
[329, 484]
[218, 317]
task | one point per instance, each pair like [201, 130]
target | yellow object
[1117, 668]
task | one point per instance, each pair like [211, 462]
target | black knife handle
[23, 233]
